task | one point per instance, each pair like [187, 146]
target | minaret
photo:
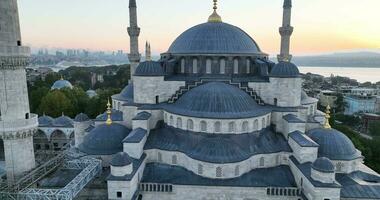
[286, 31]
[148, 52]
[134, 32]
[17, 124]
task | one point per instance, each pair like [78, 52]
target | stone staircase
[190, 85]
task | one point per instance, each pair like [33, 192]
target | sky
[321, 26]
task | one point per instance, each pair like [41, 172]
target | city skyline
[321, 26]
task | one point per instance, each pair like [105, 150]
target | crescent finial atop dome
[214, 17]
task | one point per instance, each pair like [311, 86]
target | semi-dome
[60, 84]
[121, 159]
[81, 118]
[126, 94]
[214, 38]
[104, 139]
[334, 144]
[149, 68]
[45, 120]
[217, 100]
[323, 164]
[285, 70]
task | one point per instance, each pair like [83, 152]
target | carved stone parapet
[13, 62]
[286, 31]
[134, 57]
[134, 31]
[18, 134]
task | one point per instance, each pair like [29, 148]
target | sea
[361, 74]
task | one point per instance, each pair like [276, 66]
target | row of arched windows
[216, 127]
[221, 64]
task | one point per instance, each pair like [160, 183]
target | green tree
[374, 129]
[78, 98]
[35, 97]
[97, 105]
[55, 103]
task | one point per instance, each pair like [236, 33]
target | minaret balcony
[286, 31]
[18, 125]
[134, 31]
[19, 51]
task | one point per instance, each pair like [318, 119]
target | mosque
[212, 119]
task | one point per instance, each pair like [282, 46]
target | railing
[19, 124]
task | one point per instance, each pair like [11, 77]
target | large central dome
[214, 38]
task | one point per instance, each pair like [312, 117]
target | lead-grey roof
[217, 100]
[116, 115]
[368, 188]
[81, 118]
[305, 99]
[136, 163]
[60, 84]
[214, 38]
[303, 141]
[104, 139]
[126, 94]
[285, 70]
[323, 164]
[63, 121]
[121, 159]
[45, 121]
[291, 118]
[333, 144]
[142, 116]
[136, 136]
[217, 148]
[266, 177]
[149, 68]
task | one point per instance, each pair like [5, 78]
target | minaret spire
[214, 17]
[148, 53]
[286, 31]
[134, 32]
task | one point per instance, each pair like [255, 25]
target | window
[182, 65]
[119, 194]
[275, 101]
[263, 123]
[38, 146]
[171, 121]
[18, 43]
[256, 125]
[268, 120]
[208, 66]
[203, 126]
[245, 127]
[218, 172]
[222, 66]
[231, 127]
[159, 157]
[174, 159]
[262, 162]
[157, 99]
[200, 169]
[190, 124]
[179, 122]
[27, 116]
[195, 66]
[217, 127]
[248, 66]
[237, 170]
[236, 66]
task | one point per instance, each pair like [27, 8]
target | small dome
[60, 84]
[217, 100]
[81, 118]
[285, 70]
[63, 121]
[121, 159]
[45, 120]
[333, 144]
[126, 94]
[104, 139]
[323, 165]
[91, 93]
[149, 68]
[214, 38]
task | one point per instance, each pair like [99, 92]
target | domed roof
[214, 38]
[63, 121]
[91, 93]
[81, 118]
[126, 94]
[149, 68]
[333, 144]
[45, 120]
[217, 100]
[121, 159]
[104, 139]
[323, 165]
[116, 115]
[60, 84]
[285, 70]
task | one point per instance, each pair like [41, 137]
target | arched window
[223, 66]
[237, 170]
[262, 162]
[218, 172]
[119, 106]
[339, 166]
[203, 126]
[311, 110]
[200, 169]
[179, 122]
[245, 127]
[166, 117]
[275, 101]
[159, 157]
[231, 127]
[256, 125]
[183, 65]
[248, 66]
[208, 66]
[171, 123]
[236, 66]
[217, 127]
[268, 120]
[174, 159]
[263, 123]
[190, 124]
[195, 66]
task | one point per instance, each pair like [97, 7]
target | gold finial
[109, 112]
[61, 77]
[215, 17]
[327, 118]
